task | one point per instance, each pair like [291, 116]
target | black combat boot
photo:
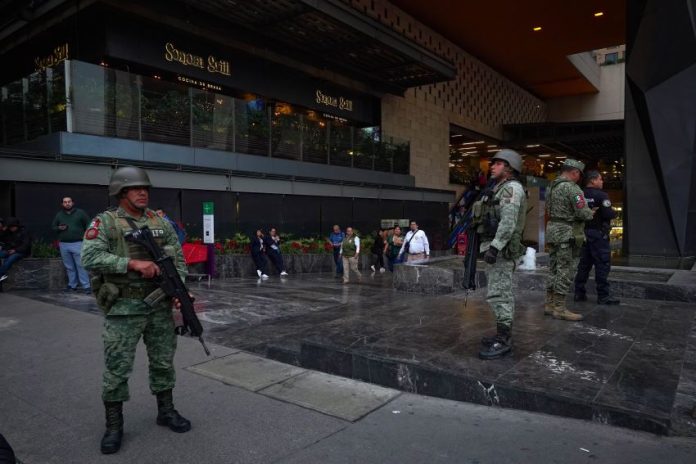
[168, 416]
[111, 441]
[500, 346]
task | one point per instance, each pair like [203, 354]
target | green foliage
[41, 249]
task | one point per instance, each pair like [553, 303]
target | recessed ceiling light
[599, 13]
[537, 29]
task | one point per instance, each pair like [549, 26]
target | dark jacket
[19, 241]
[270, 244]
[378, 245]
[256, 246]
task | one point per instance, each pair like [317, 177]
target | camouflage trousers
[121, 335]
[499, 295]
[562, 267]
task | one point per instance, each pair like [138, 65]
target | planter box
[37, 273]
[229, 266]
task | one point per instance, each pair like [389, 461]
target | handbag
[408, 242]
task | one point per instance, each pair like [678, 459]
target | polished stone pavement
[632, 365]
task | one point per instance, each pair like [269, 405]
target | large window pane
[314, 143]
[366, 144]
[36, 105]
[213, 117]
[251, 127]
[286, 133]
[56, 98]
[166, 115]
[340, 144]
[13, 112]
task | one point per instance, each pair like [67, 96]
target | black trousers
[259, 261]
[595, 252]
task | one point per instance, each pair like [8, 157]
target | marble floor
[631, 365]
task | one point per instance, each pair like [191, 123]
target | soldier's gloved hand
[491, 255]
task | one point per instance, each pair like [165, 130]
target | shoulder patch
[606, 203]
[579, 201]
[91, 233]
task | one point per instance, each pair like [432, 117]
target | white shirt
[357, 245]
[417, 244]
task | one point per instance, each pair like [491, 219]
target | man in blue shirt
[336, 239]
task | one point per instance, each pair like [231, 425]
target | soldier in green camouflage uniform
[500, 216]
[122, 281]
[565, 234]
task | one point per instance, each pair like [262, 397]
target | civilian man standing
[71, 224]
[416, 246]
[336, 239]
[596, 250]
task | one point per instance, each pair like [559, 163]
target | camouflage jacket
[567, 211]
[509, 204]
[106, 253]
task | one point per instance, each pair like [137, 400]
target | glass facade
[114, 103]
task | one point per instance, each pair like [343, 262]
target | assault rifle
[170, 282]
[472, 245]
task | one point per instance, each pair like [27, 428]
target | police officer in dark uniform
[596, 250]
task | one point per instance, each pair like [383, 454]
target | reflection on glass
[165, 112]
[286, 132]
[340, 144]
[251, 127]
[314, 139]
[114, 103]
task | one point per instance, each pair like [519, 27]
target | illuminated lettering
[337, 102]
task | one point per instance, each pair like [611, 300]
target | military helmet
[571, 163]
[128, 176]
[511, 157]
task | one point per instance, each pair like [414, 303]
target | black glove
[491, 255]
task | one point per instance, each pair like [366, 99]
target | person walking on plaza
[336, 239]
[500, 216]
[70, 224]
[394, 244]
[596, 250]
[16, 245]
[378, 249]
[125, 272]
[567, 211]
[258, 253]
[416, 246]
[178, 229]
[272, 243]
[350, 252]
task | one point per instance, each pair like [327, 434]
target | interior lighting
[535, 145]
[536, 29]
[598, 14]
[544, 156]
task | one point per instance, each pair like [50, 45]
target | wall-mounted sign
[389, 223]
[212, 64]
[60, 54]
[199, 83]
[337, 102]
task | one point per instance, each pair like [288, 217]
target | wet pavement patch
[631, 365]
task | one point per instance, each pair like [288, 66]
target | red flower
[198, 242]
[232, 244]
[295, 245]
[218, 246]
[305, 249]
[328, 246]
[247, 249]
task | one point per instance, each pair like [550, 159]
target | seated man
[16, 245]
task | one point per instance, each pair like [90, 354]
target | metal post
[69, 123]
[139, 88]
[190, 95]
[49, 95]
